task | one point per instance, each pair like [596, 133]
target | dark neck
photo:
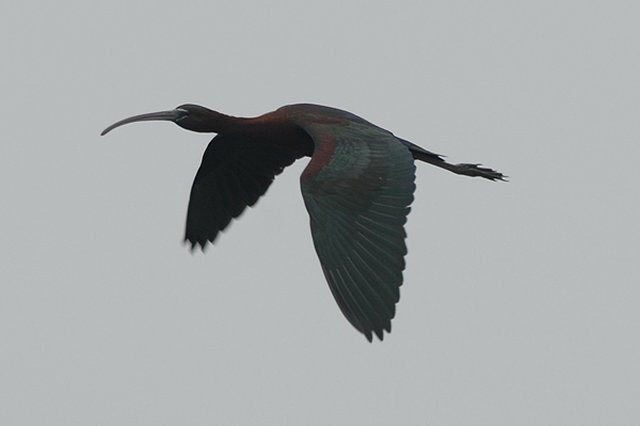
[205, 120]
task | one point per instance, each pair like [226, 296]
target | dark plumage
[357, 188]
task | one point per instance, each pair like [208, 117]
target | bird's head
[188, 116]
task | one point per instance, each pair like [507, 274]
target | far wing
[357, 189]
[234, 173]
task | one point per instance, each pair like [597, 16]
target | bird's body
[357, 189]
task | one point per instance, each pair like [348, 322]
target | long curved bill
[172, 115]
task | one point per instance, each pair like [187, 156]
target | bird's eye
[182, 117]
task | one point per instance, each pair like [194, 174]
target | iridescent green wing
[357, 189]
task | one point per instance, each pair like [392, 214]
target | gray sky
[520, 302]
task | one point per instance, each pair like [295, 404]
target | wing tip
[195, 243]
[378, 332]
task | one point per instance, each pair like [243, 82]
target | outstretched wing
[235, 171]
[357, 189]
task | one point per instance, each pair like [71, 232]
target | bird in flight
[357, 188]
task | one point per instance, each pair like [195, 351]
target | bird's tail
[466, 169]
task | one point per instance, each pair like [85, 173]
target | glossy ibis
[357, 188]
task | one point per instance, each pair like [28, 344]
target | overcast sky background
[520, 302]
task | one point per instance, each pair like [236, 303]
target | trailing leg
[466, 169]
